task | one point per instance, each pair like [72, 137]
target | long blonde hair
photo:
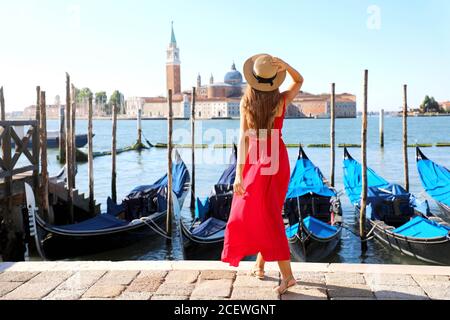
[261, 108]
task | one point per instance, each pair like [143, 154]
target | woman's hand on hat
[282, 66]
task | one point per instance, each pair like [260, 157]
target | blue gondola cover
[201, 209]
[100, 222]
[112, 208]
[306, 179]
[316, 227]
[147, 198]
[229, 175]
[393, 193]
[422, 228]
[353, 180]
[209, 227]
[435, 180]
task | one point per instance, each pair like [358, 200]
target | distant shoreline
[237, 118]
[163, 118]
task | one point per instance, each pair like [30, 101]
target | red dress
[256, 224]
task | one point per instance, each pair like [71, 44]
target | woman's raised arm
[294, 88]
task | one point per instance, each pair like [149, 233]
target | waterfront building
[445, 106]
[307, 105]
[52, 110]
[213, 108]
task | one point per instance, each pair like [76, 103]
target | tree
[101, 97]
[101, 103]
[118, 100]
[83, 95]
[429, 104]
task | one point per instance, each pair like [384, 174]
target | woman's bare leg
[260, 263]
[287, 277]
[258, 269]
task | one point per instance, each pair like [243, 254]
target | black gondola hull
[57, 246]
[63, 245]
[314, 249]
[195, 247]
[435, 251]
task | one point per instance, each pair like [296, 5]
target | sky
[114, 44]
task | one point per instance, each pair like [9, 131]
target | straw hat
[261, 74]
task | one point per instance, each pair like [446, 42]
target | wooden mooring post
[91, 158]
[362, 215]
[2, 105]
[44, 165]
[73, 134]
[333, 132]
[169, 167]
[36, 147]
[139, 125]
[114, 154]
[69, 159]
[38, 104]
[62, 136]
[405, 136]
[193, 148]
[6, 150]
[382, 128]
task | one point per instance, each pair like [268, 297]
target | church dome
[233, 77]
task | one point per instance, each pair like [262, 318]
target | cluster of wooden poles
[67, 148]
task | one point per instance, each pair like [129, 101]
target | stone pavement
[197, 280]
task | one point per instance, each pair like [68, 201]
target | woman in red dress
[256, 225]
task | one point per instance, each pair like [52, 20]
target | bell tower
[173, 66]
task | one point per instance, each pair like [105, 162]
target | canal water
[136, 168]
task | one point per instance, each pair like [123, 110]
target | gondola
[141, 214]
[397, 218]
[435, 180]
[53, 140]
[207, 231]
[313, 211]
[81, 140]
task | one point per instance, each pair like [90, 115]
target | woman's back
[278, 122]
